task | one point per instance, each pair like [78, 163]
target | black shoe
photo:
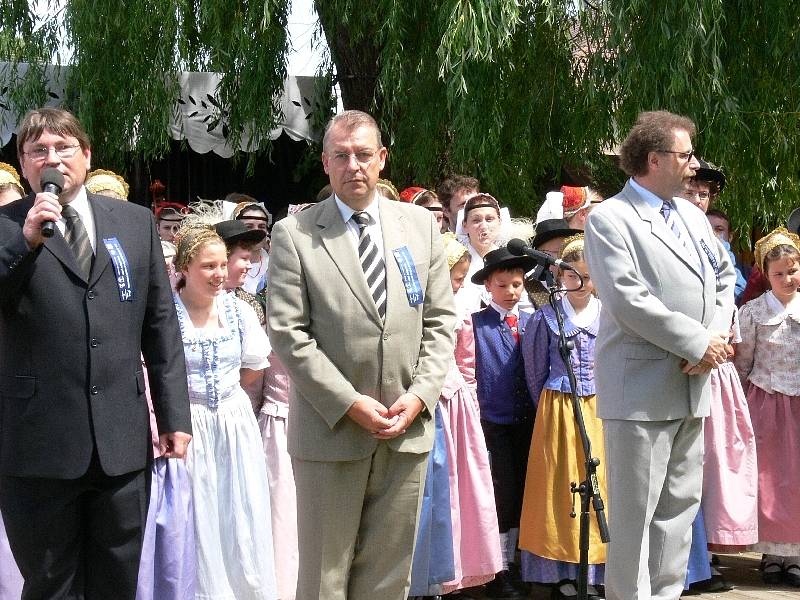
[716, 583]
[515, 573]
[566, 589]
[791, 575]
[770, 575]
[502, 588]
[595, 592]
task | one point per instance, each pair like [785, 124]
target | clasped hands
[386, 423]
[717, 352]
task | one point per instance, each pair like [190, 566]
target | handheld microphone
[518, 247]
[52, 182]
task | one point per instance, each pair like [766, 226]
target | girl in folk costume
[225, 346]
[269, 394]
[548, 534]
[768, 362]
[476, 538]
[729, 508]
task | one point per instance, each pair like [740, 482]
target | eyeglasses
[42, 152]
[363, 157]
[696, 194]
[686, 156]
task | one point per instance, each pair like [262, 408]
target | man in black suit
[77, 310]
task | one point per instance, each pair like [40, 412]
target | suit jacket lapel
[336, 239]
[659, 229]
[708, 274]
[104, 225]
[58, 247]
[395, 235]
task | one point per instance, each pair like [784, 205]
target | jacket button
[385, 336]
[93, 343]
[93, 390]
[90, 295]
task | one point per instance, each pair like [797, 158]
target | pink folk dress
[272, 420]
[730, 469]
[476, 538]
[767, 359]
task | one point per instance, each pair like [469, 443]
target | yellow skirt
[556, 459]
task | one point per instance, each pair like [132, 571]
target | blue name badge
[711, 258]
[409, 274]
[121, 269]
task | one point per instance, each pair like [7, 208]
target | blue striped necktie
[371, 262]
[666, 212]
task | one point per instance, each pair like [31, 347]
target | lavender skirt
[168, 567]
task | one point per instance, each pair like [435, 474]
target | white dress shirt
[503, 312]
[652, 200]
[373, 229]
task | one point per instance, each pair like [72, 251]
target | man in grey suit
[360, 310]
[667, 291]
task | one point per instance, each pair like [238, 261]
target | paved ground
[740, 570]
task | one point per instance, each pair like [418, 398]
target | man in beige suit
[361, 313]
[667, 289]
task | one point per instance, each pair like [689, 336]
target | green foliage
[517, 92]
[127, 57]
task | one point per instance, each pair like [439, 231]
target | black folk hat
[552, 228]
[233, 232]
[793, 222]
[709, 172]
[502, 259]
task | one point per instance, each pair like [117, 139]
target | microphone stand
[589, 489]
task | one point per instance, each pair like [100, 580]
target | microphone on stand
[52, 182]
[518, 247]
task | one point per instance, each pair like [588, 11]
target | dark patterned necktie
[371, 262]
[78, 240]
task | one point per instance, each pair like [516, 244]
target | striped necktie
[666, 212]
[371, 262]
[78, 240]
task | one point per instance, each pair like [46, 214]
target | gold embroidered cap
[453, 249]
[8, 174]
[100, 180]
[777, 237]
[571, 244]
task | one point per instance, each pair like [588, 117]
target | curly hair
[653, 132]
[453, 185]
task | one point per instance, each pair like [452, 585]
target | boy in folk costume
[506, 409]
